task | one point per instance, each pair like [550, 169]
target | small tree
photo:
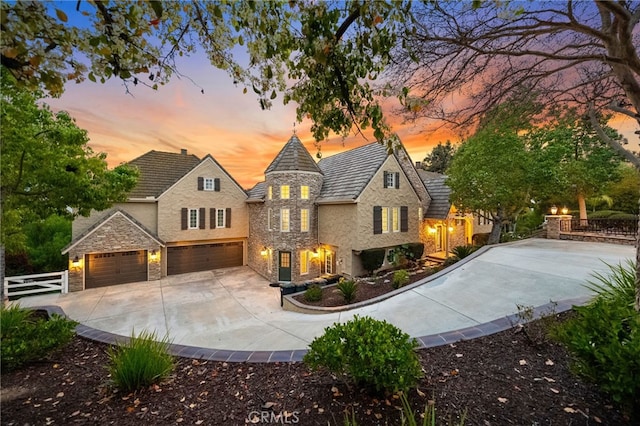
[440, 157]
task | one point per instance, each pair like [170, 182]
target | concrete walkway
[234, 310]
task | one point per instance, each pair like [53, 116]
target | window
[304, 220]
[420, 216]
[208, 184]
[304, 262]
[220, 218]
[270, 192]
[385, 219]
[193, 219]
[328, 262]
[392, 180]
[284, 220]
[304, 192]
[284, 192]
[269, 214]
[395, 219]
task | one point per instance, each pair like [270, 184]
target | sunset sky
[222, 122]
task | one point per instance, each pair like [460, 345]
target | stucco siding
[338, 228]
[144, 213]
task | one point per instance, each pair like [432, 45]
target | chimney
[418, 164]
[183, 151]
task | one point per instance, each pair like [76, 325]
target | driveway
[235, 309]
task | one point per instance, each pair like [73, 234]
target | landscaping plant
[400, 278]
[372, 259]
[463, 251]
[604, 338]
[348, 288]
[140, 363]
[26, 336]
[375, 354]
[313, 293]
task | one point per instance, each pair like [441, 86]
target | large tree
[440, 157]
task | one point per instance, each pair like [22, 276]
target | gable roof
[293, 157]
[347, 174]
[439, 192]
[160, 170]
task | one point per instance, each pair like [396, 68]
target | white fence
[37, 283]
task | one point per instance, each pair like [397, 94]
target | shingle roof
[293, 157]
[346, 174]
[439, 192]
[257, 192]
[159, 170]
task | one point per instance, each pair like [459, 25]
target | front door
[284, 266]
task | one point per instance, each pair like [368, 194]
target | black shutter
[404, 219]
[184, 220]
[216, 184]
[228, 217]
[397, 179]
[377, 219]
[200, 183]
[203, 224]
[384, 179]
[212, 218]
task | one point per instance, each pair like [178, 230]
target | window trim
[208, 184]
[269, 219]
[304, 220]
[304, 262]
[304, 196]
[395, 219]
[270, 192]
[282, 192]
[385, 220]
[282, 222]
[191, 219]
[224, 218]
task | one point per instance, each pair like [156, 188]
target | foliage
[537, 331]
[47, 167]
[26, 337]
[313, 293]
[348, 289]
[372, 259]
[440, 157]
[604, 338]
[463, 251]
[45, 240]
[603, 214]
[140, 363]
[399, 255]
[450, 261]
[375, 354]
[400, 278]
[415, 250]
[626, 191]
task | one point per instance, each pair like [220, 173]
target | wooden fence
[24, 285]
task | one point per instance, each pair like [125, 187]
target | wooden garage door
[105, 269]
[203, 257]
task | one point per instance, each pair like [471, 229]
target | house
[445, 227]
[185, 214]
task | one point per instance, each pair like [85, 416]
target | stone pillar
[553, 227]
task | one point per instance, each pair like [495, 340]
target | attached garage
[204, 257]
[104, 269]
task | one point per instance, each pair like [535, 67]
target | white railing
[38, 283]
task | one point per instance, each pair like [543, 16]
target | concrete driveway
[235, 310]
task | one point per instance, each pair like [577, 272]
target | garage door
[203, 257]
[105, 269]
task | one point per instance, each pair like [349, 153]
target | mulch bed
[505, 379]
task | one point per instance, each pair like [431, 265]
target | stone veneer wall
[116, 234]
[294, 240]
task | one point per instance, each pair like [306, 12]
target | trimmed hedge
[372, 259]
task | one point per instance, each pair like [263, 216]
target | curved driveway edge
[237, 313]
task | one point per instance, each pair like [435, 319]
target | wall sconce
[432, 230]
[314, 253]
[565, 210]
[264, 252]
[554, 210]
[451, 229]
[153, 256]
[75, 262]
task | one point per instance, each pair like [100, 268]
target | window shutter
[227, 217]
[212, 218]
[202, 218]
[216, 184]
[404, 219]
[200, 183]
[397, 180]
[384, 179]
[377, 220]
[184, 220]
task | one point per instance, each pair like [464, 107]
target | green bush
[623, 216]
[450, 261]
[604, 338]
[372, 259]
[416, 250]
[140, 363]
[313, 293]
[348, 289]
[26, 337]
[603, 214]
[400, 278]
[375, 354]
[463, 251]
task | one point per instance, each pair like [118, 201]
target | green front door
[284, 266]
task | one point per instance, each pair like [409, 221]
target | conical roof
[293, 157]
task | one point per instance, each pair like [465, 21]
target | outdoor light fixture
[315, 253]
[75, 262]
[432, 230]
[554, 210]
[565, 210]
[263, 252]
[451, 229]
[154, 255]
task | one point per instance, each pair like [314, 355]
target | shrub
[400, 278]
[416, 250]
[348, 289]
[140, 363]
[463, 251]
[313, 293]
[604, 339]
[602, 214]
[26, 337]
[375, 354]
[623, 216]
[450, 261]
[372, 259]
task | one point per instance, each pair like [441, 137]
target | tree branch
[624, 153]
